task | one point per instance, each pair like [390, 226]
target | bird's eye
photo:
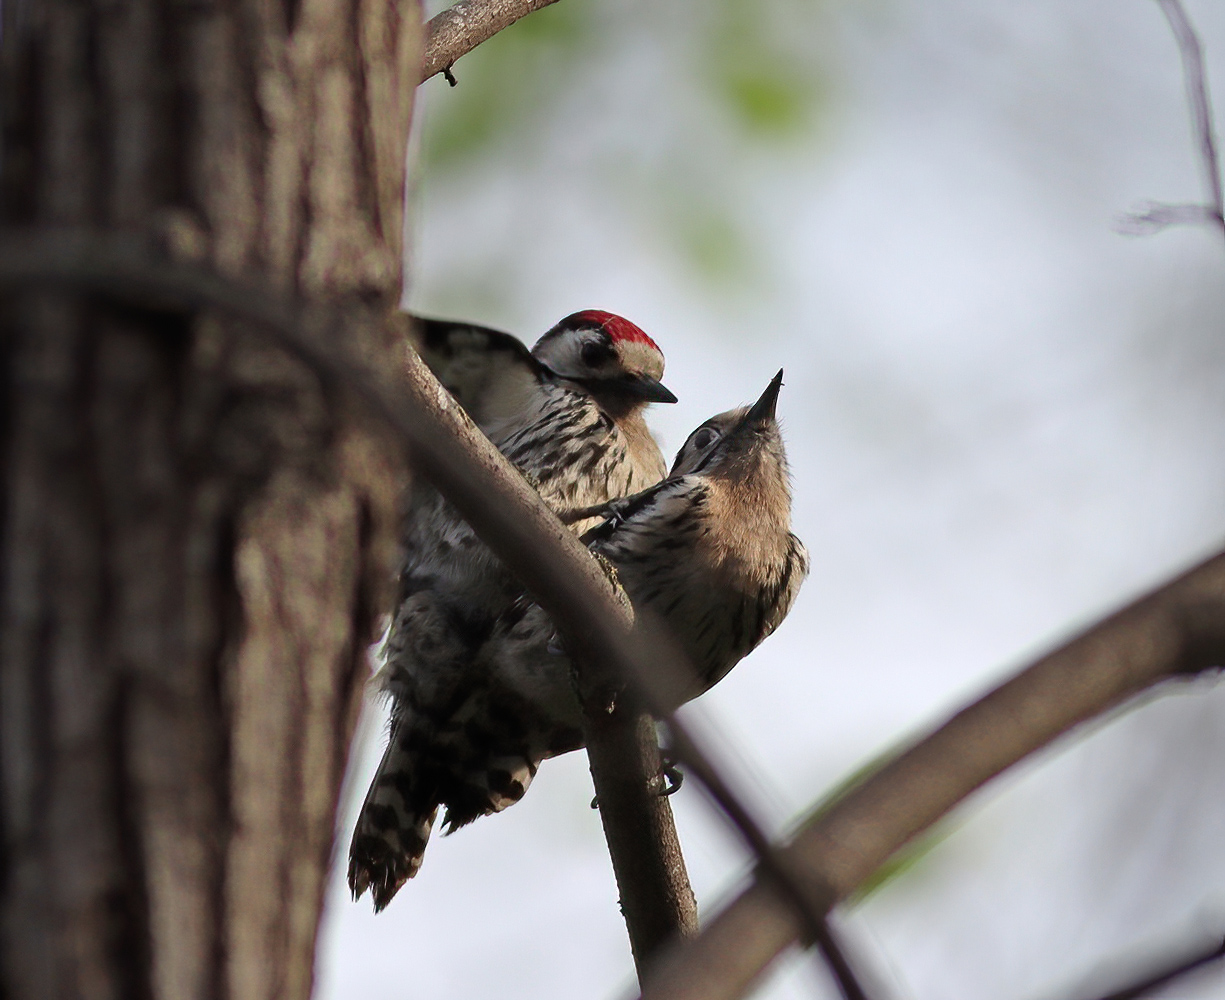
[594, 354]
[704, 437]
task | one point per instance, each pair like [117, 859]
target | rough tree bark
[196, 537]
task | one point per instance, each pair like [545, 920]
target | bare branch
[1177, 630]
[461, 28]
[656, 897]
[1157, 216]
[1192, 54]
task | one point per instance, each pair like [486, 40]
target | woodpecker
[708, 551]
[569, 415]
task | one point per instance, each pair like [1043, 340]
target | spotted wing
[492, 374]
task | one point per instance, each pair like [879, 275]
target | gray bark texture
[196, 536]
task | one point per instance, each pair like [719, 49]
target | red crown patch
[618, 328]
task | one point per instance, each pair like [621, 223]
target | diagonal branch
[461, 28]
[1177, 630]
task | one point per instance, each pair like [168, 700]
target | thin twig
[450, 451]
[1178, 629]
[461, 28]
[1156, 980]
[1157, 216]
[1192, 54]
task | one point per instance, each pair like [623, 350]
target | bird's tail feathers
[394, 826]
[498, 783]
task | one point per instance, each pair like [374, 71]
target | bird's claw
[670, 775]
[673, 777]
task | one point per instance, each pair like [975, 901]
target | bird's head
[739, 456]
[608, 355]
[736, 441]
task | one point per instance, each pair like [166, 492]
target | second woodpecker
[708, 551]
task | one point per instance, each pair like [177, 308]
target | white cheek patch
[562, 355]
[640, 359]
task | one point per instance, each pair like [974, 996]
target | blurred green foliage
[750, 64]
[712, 242]
[756, 69]
[749, 86]
[505, 83]
[767, 101]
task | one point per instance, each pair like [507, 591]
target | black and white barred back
[709, 551]
[571, 451]
[569, 416]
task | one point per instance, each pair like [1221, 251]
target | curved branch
[461, 28]
[1176, 630]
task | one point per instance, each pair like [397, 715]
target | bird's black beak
[645, 387]
[763, 409]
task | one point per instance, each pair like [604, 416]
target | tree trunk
[197, 537]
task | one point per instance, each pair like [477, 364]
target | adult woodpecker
[569, 412]
[708, 551]
[569, 415]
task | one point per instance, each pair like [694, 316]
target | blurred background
[1004, 419]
